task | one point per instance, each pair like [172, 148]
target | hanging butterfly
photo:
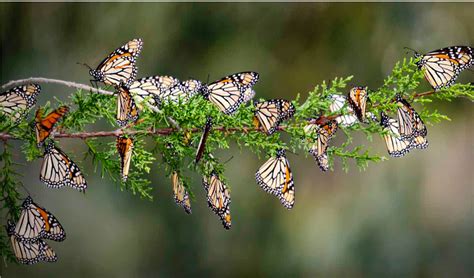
[218, 198]
[126, 108]
[338, 102]
[397, 145]
[182, 91]
[152, 88]
[59, 170]
[275, 177]
[44, 126]
[202, 142]
[36, 222]
[29, 252]
[181, 195]
[269, 114]
[16, 102]
[230, 92]
[357, 98]
[324, 133]
[119, 68]
[442, 67]
[124, 148]
[411, 125]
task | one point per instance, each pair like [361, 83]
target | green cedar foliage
[156, 138]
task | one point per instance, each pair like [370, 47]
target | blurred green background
[403, 217]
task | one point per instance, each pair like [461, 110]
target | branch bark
[118, 132]
[42, 80]
[161, 132]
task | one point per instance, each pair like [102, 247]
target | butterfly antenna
[84, 64]
[230, 158]
[26, 190]
[291, 152]
[410, 49]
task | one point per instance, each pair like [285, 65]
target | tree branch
[160, 132]
[118, 132]
[42, 80]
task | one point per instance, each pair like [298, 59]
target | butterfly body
[411, 126]
[276, 178]
[230, 92]
[17, 101]
[29, 252]
[58, 170]
[357, 98]
[442, 67]
[152, 88]
[397, 145]
[202, 141]
[181, 195]
[44, 126]
[119, 68]
[124, 148]
[218, 198]
[182, 91]
[126, 109]
[324, 133]
[269, 114]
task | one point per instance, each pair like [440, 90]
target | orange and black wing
[124, 148]
[36, 222]
[119, 68]
[218, 198]
[126, 109]
[17, 101]
[44, 126]
[442, 67]
[358, 101]
[59, 170]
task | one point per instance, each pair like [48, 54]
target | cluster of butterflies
[27, 235]
[119, 69]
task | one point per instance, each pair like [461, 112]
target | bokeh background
[402, 217]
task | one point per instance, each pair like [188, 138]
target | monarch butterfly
[17, 101]
[324, 133]
[58, 170]
[181, 195]
[124, 148]
[126, 108]
[397, 145]
[442, 67]
[202, 142]
[218, 198]
[44, 126]
[249, 94]
[230, 92]
[184, 91]
[36, 222]
[338, 102]
[29, 252]
[151, 88]
[119, 68]
[410, 124]
[358, 97]
[269, 114]
[275, 177]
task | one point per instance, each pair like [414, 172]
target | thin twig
[70, 84]
[416, 95]
[118, 132]
[161, 132]
[31, 80]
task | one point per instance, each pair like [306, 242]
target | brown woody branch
[159, 132]
[119, 132]
[42, 80]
